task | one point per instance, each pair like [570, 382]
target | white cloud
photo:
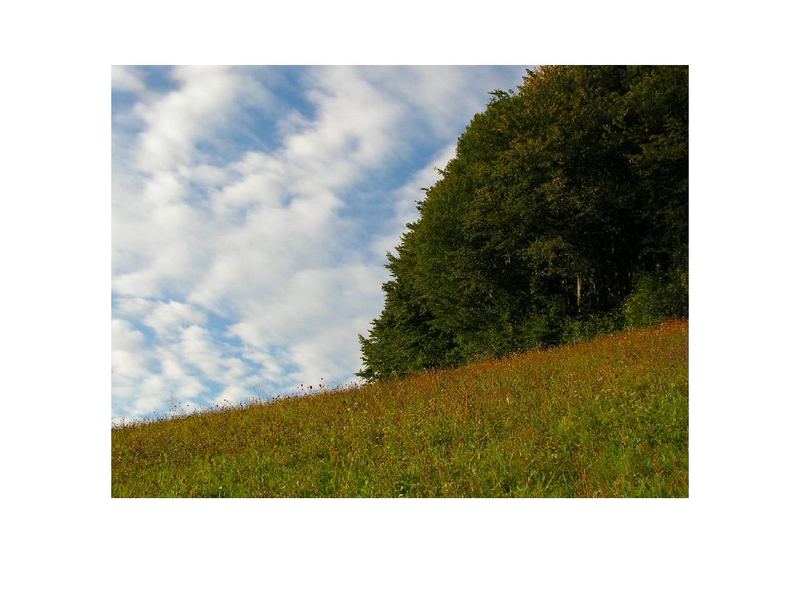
[213, 238]
[328, 354]
[232, 395]
[129, 364]
[256, 181]
[156, 236]
[313, 302]
[126, 349]
[198, 349]
[127, 79]
[176, 120]
[165, 317]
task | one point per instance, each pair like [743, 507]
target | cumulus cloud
[165, 317]
[248, 250]
[174, 122]
[126, 352]
[127, 79]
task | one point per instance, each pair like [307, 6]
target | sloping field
[608, 417]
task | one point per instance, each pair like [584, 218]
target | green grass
[607, 417]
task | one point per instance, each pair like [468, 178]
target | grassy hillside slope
[608, 417]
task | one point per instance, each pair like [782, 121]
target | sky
[252, 210]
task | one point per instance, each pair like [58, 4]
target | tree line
[564, 214]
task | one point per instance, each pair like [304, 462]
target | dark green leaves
[565, 198]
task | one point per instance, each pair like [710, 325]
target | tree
[562, 199]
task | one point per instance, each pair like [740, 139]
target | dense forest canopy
[564, 214]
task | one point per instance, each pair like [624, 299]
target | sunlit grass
[608, 417]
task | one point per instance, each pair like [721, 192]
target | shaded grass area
[607, 417]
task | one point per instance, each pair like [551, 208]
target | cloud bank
[252, 209]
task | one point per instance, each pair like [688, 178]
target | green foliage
[561, 197]
[657, 298]
[593, 325]
[607, 417]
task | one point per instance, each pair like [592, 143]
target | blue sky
[252, 208]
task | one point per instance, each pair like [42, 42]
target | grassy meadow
[603, 418]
